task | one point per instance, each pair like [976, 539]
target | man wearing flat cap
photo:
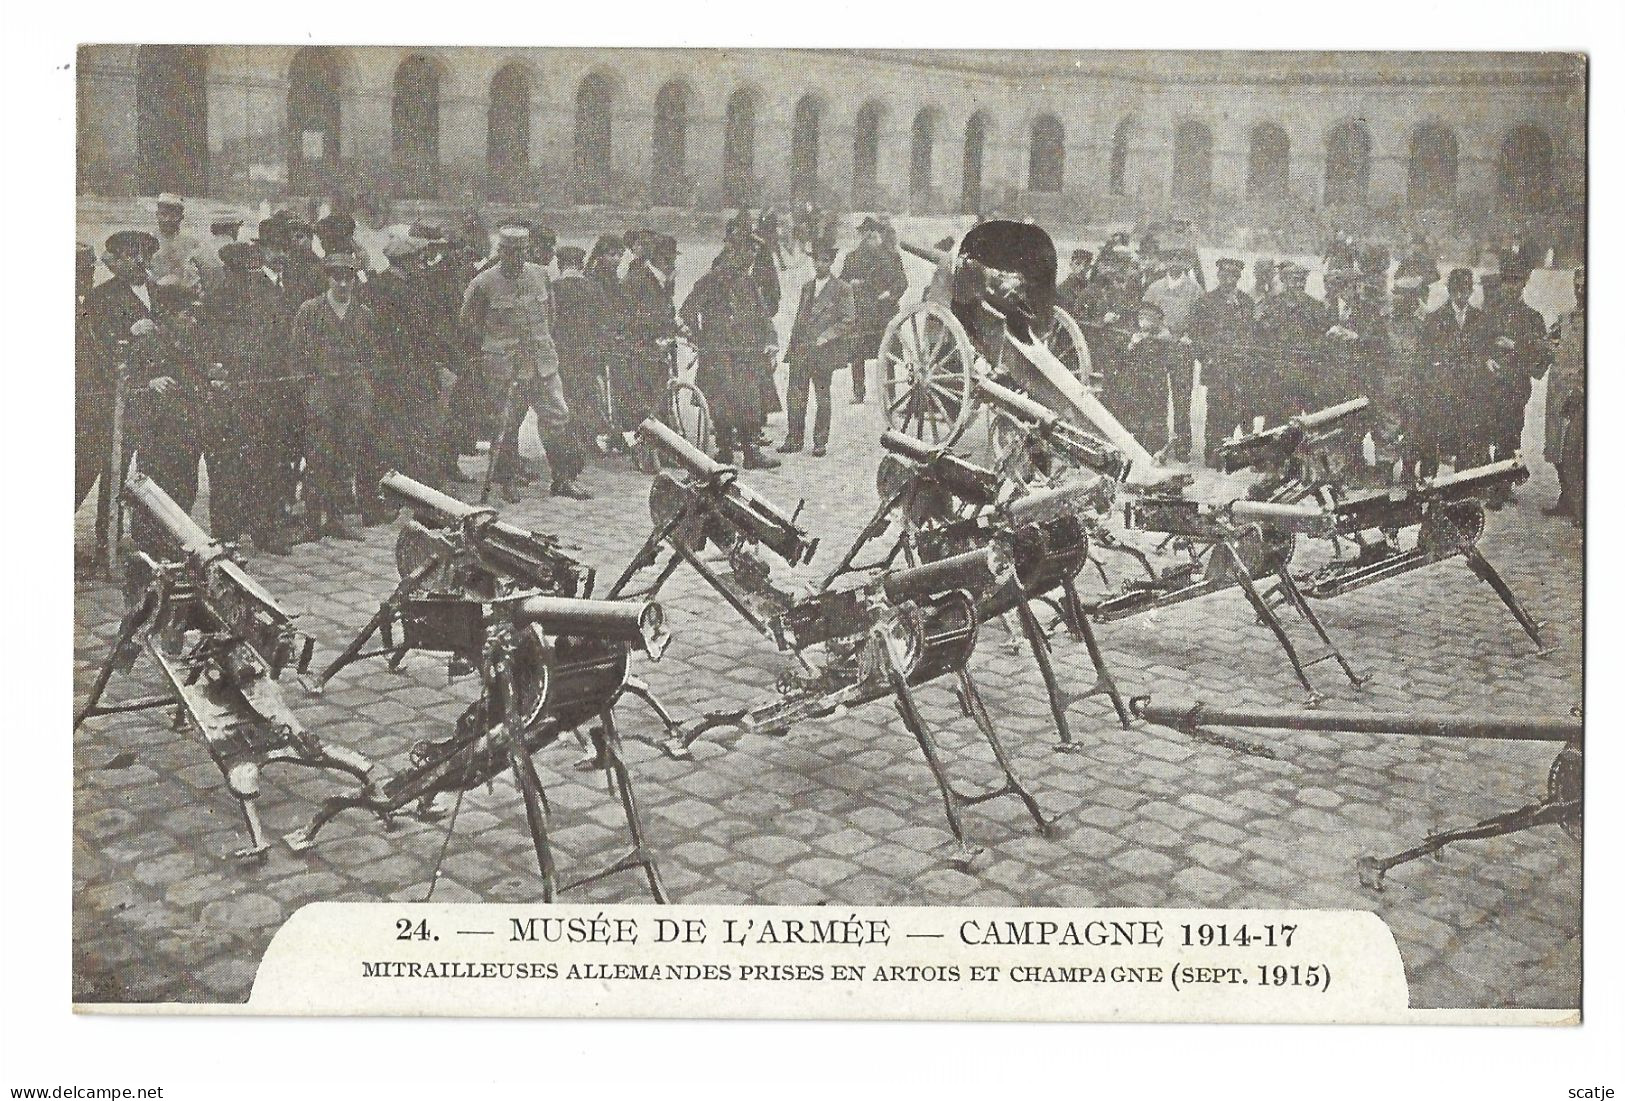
[825, 323]
[509, 307]
[878, 280]
[1220, 329]
[1451, 381]
[174, 259]
[335, 342]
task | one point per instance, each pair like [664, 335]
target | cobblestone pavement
[843, 810]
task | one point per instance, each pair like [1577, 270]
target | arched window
[866, 154]
[669, 162]
[921, 148]
[172, 119]
[1269, 162]
[970, 185]
[1118, 175]
[1433, 167]
[804, 149]
[1524, 169]
[1046, 158]
[595, 99]
[415, 127]
[739, 148]
[507, 132]
[315, 80]
[1348, 164]
[1193, 163]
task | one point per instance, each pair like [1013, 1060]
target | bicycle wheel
[687, 413]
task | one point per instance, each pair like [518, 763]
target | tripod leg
[1267, 615]
[128, 626]
[909, 710]
[984, 723]
[1040, 647]
[1105, 683]
[530, 784]
[1491, 576]
[1288, 589]
[639, 857]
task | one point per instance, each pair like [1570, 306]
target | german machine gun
[1563, 804]
[1032, 440]
[1296, 458]
[1239, 543]
[547, 666]
[706, 505]
[449, 546]
[900, 630]
[220, 641]
[1448, 514]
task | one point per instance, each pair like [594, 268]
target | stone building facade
[1107, 133]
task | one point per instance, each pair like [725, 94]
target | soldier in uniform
[825, 322]
[1566, 408]
[173, 259]
[509, 307]
[1455, 346]
[1220, 329]
[732, 331]
[335, 341]
[878, 281]
[246, 325]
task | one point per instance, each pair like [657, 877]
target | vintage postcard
[890, 533]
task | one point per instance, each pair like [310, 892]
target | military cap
[335, 227]
[341, 261]
[131, 242]
[513, 237]
[172, 201]
[823, 250]
[171, 294]
[871, 223]
[1229, 263]
[273, 233]
[572, 256]
[401, 246]
[1291, 269]
[240, 255]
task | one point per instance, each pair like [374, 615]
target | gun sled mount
[1563, 804]
[1448, 515]
[220, 641]
[547, 666]
[903, 629]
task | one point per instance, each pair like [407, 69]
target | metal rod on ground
[1486, 727]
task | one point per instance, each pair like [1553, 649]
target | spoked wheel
[687, 412]
[927, 362]
[1065, 341]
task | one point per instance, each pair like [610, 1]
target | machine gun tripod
[547, 666]
[220, 641]
[903, 629]
[1563, 804]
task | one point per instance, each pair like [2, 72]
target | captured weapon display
[449, 546]
[707, 505]
[547, 665]
[943, 505]
[1448, 514]
[1297, 457]
[900, 630]
[220, 640]
[1563, 804]
[1240, 544]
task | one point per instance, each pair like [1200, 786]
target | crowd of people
[1450, 384]
[299, 368]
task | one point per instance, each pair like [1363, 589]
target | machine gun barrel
[1067, 499]
[203, 554]
[973, 484]
[641, 623]
[755, 515]
[1277, 444]
[1403, 507]
[527, 557]
[1460, 727]
[974, 570]
[1057, 431]
[1307, 518]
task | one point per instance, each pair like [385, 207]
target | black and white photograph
[1064, 481]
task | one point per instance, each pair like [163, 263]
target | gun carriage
[1448, 515]
[1001, 324]
[1563, 803]
[220, 641]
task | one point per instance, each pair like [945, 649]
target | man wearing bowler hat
[825, 323]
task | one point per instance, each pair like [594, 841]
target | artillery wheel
[1565, 783]
[927, 363]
